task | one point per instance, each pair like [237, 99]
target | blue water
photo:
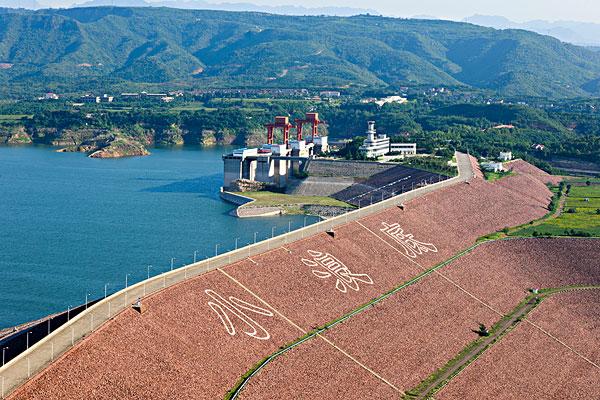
[70, 224]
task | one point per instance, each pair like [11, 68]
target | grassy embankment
[292, 203]
[494, 176]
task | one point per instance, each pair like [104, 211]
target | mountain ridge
[92, 48]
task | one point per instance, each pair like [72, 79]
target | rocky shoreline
[109, 146]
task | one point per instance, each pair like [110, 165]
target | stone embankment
[345, 168]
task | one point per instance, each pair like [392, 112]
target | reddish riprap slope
[525, 364]
[523, 167]
[304, 292]
[177, 349]
[574, 318]
[180, 348]
[413, 333]
[475, 167]
[453, 219]
[315, 370]
[501, 272]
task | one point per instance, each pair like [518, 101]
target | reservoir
[69, 225]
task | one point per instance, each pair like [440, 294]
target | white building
[330, 94]
[321, 144]
[506, 155]
[405, 149]
[375, 145]
[493, 166]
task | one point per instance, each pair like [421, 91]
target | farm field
[14, 117]
[580, 213]
[526, 363]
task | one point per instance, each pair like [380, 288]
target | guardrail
[16, 372]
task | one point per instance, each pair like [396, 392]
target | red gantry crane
[310, 118]
[284, 124]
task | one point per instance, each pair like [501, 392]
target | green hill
[107, 48]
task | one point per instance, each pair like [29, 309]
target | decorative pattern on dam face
[234, 306]
[411, 246]
[335, 268]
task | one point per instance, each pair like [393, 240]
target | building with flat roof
[375, 145]
[404, 149]
[493, 166]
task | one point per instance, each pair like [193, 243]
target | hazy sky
[517, 10]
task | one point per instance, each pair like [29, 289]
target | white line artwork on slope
[233, 308]
[411, 246]
[332, 267]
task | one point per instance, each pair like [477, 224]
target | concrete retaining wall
[236, 199]
[345, 168]
[19, 370]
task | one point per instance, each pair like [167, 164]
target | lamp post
[255, 233]
[148, 271]
[172, 260]
[126, 277]
[195, 254]
[289, 226]
[69, 313]
[272, 232]
[236, 242]
[306, 216]
[105, 289]
[28, 333]
[3, 354]
[86, 300]
[216, 249]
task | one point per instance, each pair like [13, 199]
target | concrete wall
[232, 170]
[39, 356]
[235, 198]
[344, 168]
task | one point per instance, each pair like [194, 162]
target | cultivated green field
[14, 117]
[580, 216]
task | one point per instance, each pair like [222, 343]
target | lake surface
[70, 224]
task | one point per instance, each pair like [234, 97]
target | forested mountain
[102, 48]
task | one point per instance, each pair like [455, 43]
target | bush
[572, 211]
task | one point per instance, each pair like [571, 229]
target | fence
[37, 357]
